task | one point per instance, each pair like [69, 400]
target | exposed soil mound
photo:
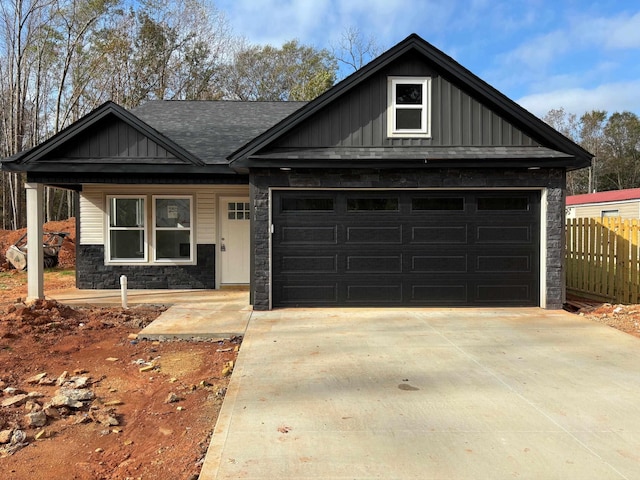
[82, 398]
[67, 253]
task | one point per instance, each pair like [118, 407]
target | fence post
[634, 262]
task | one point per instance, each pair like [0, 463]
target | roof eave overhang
[568, 163]
[71, 169]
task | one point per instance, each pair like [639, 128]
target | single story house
[615, 203]
[412, 182]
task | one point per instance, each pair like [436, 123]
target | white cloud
[612, 97]
[321, 22]
[276, 21]
[580, 34]
[618, 32]
[539, 52]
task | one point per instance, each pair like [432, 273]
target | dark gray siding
[92, 273]
[112, 139]
[358, 119]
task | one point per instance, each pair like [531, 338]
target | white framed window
[127, 229]
[172, 228]
[409, 111]
[609, 213]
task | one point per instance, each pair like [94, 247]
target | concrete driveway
[430, 394]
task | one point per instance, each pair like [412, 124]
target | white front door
[235, 237]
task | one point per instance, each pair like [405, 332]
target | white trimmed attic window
[409, 109]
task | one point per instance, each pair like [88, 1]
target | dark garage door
[444, 248]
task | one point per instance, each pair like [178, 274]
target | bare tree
[353, 50]
[21, 57]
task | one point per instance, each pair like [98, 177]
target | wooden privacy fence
[602, 259]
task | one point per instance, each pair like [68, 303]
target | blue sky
[544, 54]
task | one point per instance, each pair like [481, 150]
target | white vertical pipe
[123, 290]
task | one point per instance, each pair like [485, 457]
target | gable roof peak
[447, 67]
[108, 108]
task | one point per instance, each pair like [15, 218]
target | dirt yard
[81, 398]
[623, 317]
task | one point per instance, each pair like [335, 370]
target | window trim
[155, 229]
[149, 230]
[145, 231]
[611, 213]
[425, 106]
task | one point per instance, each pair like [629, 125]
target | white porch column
[35, 267]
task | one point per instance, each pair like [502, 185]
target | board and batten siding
[359, 119]
[116, 140]
[93, 207]
[627, 209]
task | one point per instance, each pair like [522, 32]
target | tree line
[60, 59]
[613, 139]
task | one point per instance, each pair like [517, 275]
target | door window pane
[370, 204]
[437, 203]
[306, 204]
[238, 211]
[503, 203]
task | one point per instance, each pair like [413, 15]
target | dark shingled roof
[211, 130]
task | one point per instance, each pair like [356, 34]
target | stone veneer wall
[554, 179]
[92, 273]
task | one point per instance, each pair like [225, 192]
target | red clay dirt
[150, 407]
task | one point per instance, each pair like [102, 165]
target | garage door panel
[435, 234]
[374, 235]
[503, 234]
[309, 235]
[408, 256]
[374, 264]
[503, 263]
[451, 294]
[439, 264]
[309, 263]
[388, 293]
[503, 293]
[309, 294]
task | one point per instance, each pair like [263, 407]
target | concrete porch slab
[202, 314]
[201, 321]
